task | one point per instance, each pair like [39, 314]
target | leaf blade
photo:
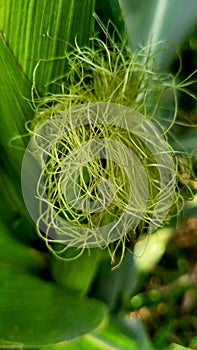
[43, 32]
[35, 312]
[169, 21]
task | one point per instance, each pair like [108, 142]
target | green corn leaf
[169, 21]
[121, 334]
[110, 10]
[188, 142]
[14, 214]
[114, 287]
[149, 250]
[67, 272]
[43, 30]
[15, 253]
[35, 312]
[124, 333]
[15, 93]
[178, 347]
[95, 342]
[39, 31]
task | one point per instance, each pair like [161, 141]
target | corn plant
[90, 164]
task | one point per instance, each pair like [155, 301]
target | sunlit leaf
[154, 20]
[178, 347]
[38, 30]
[149, 249]
[15, 92]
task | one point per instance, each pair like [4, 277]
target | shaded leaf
[189, 210]
[15, 253]
[34, 312]
[67, 272]
[114, 287]
[110, 10]
[188, 142]
[121, 334]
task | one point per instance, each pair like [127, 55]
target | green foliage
[165, 21]
[45, 50]
[110, 10]
[43, 31]
[35, 312]
[88, 264]
[15, 91]
[121, 282]
[149, 249]
[15, 253]
[122, 333]
[178, 347]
